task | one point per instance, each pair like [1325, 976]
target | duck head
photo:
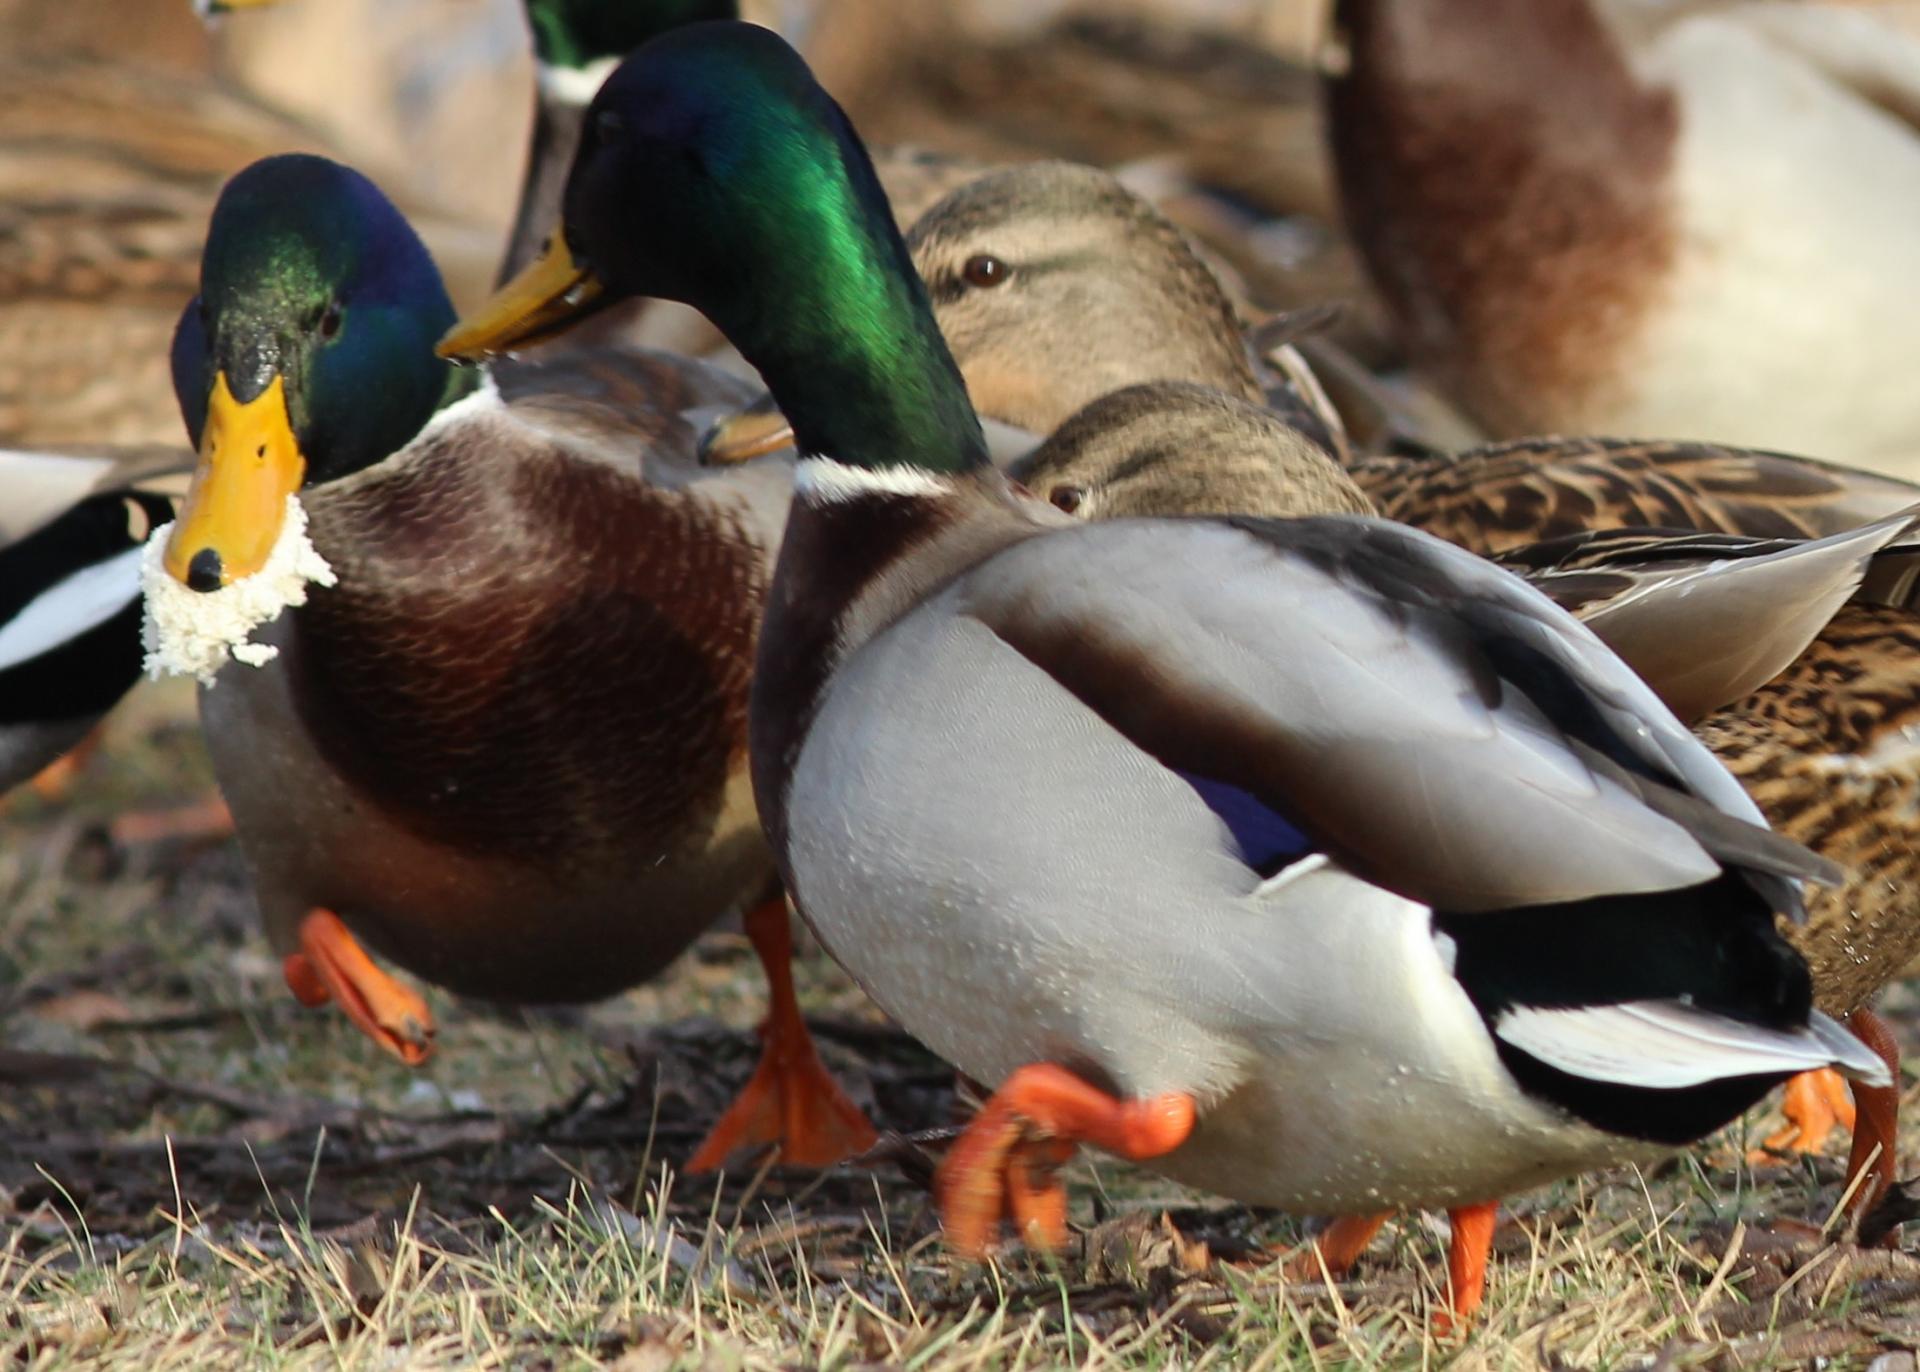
[1055, 284]
[307, 354]
[714, 170]
[1176, 448]
[575, 44]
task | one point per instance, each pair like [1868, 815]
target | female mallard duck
[1700, 231]
[1055, 797]
[1018, 262]
[507, 745]
[1816, 745]
[1038, 334]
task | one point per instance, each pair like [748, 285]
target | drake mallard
[576, 43]
[1687, 224]
[109, 166]
[1800, 682]
[1060, 795]
[506, 746]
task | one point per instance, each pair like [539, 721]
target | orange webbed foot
[1006, 1161]
[1337, 1248]
[791, 1099]
[331, 965]
[1815, 1104]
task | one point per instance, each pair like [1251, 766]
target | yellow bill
[550, 293]
[744, 436]
[249, 464]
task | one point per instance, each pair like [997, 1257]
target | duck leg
[1815, 1103]
[1347, 1238]
[1877, 1115]
[206, 819]
[1338, 1247]
[331, 965]
[1007, 1159]
[1466, 1266]
[791, 1099]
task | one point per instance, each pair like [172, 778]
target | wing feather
[1425, 717]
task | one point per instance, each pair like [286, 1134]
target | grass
[195, 1172]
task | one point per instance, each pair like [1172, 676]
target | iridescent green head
[579, 33]
[308, 353]
[714, 170]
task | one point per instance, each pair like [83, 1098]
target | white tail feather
[1664, 1044]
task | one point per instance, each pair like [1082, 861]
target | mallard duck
[576, 43]
[108, 168]
[1146, 307]
[506, 745]
[1694, 229]
[70, 600]
[1012, 256]
[1223, 102]
[1799, 680]
[1079, 804]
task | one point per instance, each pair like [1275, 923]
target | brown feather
[1504, 496]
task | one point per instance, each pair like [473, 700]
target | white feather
[1665, 1044]
[43, 486]
[65, 611]
[826, 482]
[483, 399]
[575, 86]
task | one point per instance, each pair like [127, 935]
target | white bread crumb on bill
[195, 632]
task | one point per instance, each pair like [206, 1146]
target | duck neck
[840, 328]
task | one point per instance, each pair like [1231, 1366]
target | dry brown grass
[194, 1172]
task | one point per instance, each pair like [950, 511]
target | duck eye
[1066, 498]
[329, 322]
[984, 269]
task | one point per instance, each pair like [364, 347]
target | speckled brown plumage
[1830, 750]
[1507, 495]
